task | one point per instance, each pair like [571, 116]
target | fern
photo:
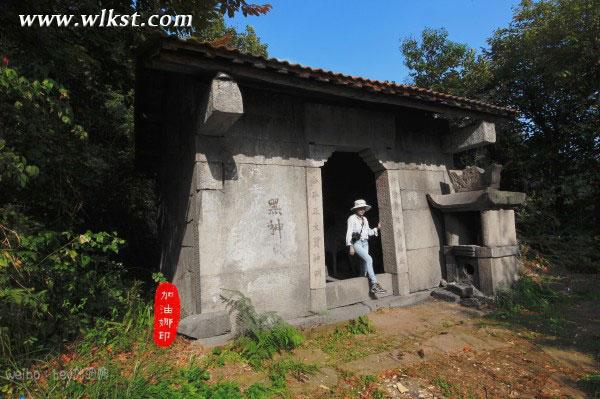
[259, 335]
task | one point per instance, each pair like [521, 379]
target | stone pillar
[392, 230]
[207, 199]
[452, 227]
[316, 240]
[498, 228]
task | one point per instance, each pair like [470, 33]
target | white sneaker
[377, 289]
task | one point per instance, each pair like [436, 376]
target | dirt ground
[438, 349]
[441, 350]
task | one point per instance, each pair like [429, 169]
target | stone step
[462, 290]
[445, 295]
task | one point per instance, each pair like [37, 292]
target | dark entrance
[346, 177]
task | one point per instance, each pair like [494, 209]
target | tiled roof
[338, 79]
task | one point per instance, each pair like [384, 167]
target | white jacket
[355, 225]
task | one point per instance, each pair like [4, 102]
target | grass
[279, 370]
[591, 383]
[352, 341]
[365, 386]
[451, 390]
[133, 367]
[263, 356]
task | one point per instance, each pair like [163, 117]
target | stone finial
[221, 107]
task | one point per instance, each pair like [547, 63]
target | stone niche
[479, 223]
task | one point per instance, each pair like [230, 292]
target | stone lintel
[221, 107]
[479, 134]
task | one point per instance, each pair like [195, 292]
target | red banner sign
[166, 314]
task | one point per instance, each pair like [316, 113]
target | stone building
[258, 162]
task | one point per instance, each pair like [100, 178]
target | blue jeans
[361, 247]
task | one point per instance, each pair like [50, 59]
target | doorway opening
[345, 178]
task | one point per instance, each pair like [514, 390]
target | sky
[362, 37]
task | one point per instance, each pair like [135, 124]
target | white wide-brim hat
[360, 204]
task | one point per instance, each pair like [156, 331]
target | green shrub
[54, 286]
[362, 325]
[591, 383]
[576, 251]
[258, 391]
[260, 335]
[527, 294]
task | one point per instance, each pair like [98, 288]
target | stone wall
[421, 168]
[240, 210]
[253, 222]
[177, 199]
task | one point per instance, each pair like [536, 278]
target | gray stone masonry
[462, 290]
[242, 200]
[476, 135]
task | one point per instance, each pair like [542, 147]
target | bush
[528, 294]
[56, 285]
[591, 383]
[576, 251]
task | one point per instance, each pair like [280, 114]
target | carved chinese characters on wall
[275, 225]
[315, 227]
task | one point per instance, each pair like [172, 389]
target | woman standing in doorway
[357, 240]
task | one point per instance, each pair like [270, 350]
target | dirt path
[437, 349]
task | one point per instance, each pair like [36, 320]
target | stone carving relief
[473, 178]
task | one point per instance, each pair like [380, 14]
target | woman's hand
[379, 226]
[351, 250]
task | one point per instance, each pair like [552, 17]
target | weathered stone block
[281, 289]
[354, 290]
[445, 295]
[205, 325]
[333, 125]
[420, 229]
[421, 180]
[414, 200]
[424, 268]
[209, 175]
[318, 300]
[221, 107]
[498, 228]
[497, 273]
[472, 136]
[462, 290]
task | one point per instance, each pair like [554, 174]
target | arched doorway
[345, 178]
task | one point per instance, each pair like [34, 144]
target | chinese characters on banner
[166, 314]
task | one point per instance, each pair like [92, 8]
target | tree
[443, 65]
[546, 64]
[67, 171]
[96, 68]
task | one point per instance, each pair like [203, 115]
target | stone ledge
[337, 315]
[477, 251]
[205, 325]
[354, 290]
[480, 200]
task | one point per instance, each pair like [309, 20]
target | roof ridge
[390, 87]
